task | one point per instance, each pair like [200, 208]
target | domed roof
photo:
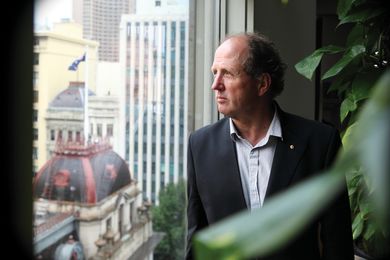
[73, 96]
[83, 174]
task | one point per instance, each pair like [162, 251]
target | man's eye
[228, 75]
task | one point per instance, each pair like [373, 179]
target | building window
[157, 3]
[131, 210]
[35, 93]
[35, 78]
[78, 137]
[52, 135]
[99, 130]
[35, 115]
[59, 135]
[35, 153]
[108, 224]
[36, 59]
[120, 221]
[110, 130]
[70, 136]
[35, 134]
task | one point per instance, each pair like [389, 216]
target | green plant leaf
[356, 36]
[357, 226]
[370, 231]
[239, 235]
[338, 85]
[308, 65]
[365, 209]
[346, 140]
[374, 149]
[359, 90]
[361, 15]
[351, 54]
[346, 107]
[343, 7]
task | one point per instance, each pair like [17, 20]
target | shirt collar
[274, 129]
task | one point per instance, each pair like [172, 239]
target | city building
[154, 98]
[100, 20]
[65, 118]
[54, 52]
[87, 206]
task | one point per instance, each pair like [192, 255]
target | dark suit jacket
[215, 191]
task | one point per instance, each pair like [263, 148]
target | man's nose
[217, 83]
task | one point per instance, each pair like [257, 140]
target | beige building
[54, 51]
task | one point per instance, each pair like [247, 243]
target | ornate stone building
[65, 118]
[87, 206]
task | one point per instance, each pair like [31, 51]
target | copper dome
[83, 174]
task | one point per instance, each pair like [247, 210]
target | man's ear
[264, 84]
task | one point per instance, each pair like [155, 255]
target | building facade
[86, 206]
[65, 118]
[54, 51]
[100, 20]
[154, 57]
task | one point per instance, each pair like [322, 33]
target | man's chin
[223, 112]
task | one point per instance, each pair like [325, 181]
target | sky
[47, 12]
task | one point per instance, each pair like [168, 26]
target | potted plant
[364, 59]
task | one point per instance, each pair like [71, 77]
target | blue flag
[75, 64]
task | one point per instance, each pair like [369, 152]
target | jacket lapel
[232, 177]
[288, 153]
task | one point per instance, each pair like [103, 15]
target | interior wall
[292, 27]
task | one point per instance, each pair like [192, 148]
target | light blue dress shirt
[255, 162]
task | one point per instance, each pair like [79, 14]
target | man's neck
[254, 127]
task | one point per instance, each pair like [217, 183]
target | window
[108, 224]
[35, 115]
[120, 220]
[35, 96]
[35, 134]
[70, 136]
[110, 130]
[52, 135]
[131, 211]
[35, 153]
[36, 59]
[99, 130]
[35, 78]
[144, 103]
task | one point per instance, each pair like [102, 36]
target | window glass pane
[112, 114]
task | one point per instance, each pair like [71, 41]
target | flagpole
[86, 132]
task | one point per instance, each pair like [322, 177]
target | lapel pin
[291, 147]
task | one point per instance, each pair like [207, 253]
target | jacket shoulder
[305, 125]
[209, 130]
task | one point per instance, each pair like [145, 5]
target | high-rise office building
[154, 55]
[100, 20]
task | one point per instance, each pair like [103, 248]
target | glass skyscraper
[155, 102]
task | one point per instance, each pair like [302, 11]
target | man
[258, 150]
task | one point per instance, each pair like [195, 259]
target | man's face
[235, 91]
